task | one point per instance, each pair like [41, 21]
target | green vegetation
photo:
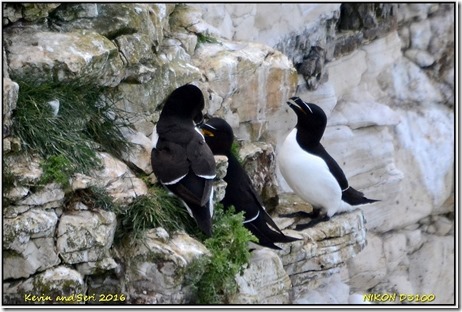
[205, 38]
[67, 136]
[57, 168]
[155, 209]
[235, 151]
[230, 254]
[212, 277]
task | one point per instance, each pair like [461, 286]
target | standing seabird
[310, 171]
[181, 159]
[239, 190]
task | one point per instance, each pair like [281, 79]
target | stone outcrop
[385, 81]
[159, 266]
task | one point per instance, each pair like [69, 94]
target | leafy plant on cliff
[235, 147]
[229, 256]
[67, 121]
[213, 278]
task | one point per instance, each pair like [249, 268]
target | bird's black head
[218, 135]
[311, 120]
[185, 102]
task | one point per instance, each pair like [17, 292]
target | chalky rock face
[45, 56]
[115, 177]
[28, 243]
[264, 281]
[10, 97]
[259, 161]
[325, 249]
[219, 186]
[158, 267]
[387, 88]
[250, 83]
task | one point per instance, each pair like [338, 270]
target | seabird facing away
[239, 190]
[310, 171]
[181, 159]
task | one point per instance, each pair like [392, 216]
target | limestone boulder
[259, 161]
[36, 255]
[240, 72]
[139, 153]
[51, 196]
[158, 267]
[60, 285]
[112, 20]
[25, 169]
[170, 69]
[85, 236]
[219, 185]
[63, 56]
[138, 56]
[10, 97]
[28, 241]
[115, 177]
[33, 12]
[35, 223]
[97, 267]
[264, 281]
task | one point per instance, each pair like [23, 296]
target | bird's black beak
[296, 107]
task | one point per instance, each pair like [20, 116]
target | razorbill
[181, 159]
[239, 190]
[310, 171]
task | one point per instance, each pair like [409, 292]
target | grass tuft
[205, 37]
[84, 122]
[155, 209]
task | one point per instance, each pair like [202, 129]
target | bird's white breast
[308, 176]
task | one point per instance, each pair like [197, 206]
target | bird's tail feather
[266, 235]
[355, 197]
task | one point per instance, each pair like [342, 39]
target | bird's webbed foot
[302, 214]
[312, 223]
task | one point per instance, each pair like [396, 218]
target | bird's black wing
[242, 195]
[202, 164]
[349, 194]
[201, 157]
[169, 161]
[334, 168]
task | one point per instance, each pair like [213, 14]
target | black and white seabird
[239, 190]
[181, 159]
[310, 171]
